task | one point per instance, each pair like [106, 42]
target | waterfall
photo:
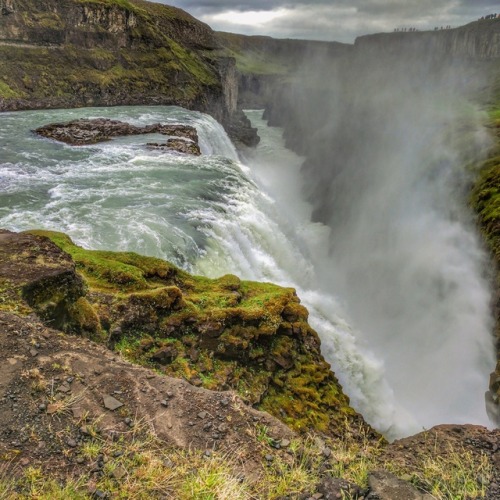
[213, 215]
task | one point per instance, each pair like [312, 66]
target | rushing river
[213, 215]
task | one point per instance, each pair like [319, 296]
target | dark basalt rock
[177, 145]
[240, 130]
[86, 131]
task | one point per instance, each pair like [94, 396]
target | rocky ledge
[223, 334]
[74, 407]
[91, 131]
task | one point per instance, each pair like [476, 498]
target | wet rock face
[91, 131]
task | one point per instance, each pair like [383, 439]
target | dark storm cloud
[341, 20]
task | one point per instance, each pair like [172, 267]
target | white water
[213, 215]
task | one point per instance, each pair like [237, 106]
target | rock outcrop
[479, 40]
[91, 131]
[219, 334]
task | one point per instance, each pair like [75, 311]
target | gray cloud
[340, 20]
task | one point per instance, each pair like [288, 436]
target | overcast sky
[340, 20]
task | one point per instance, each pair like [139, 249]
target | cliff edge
[72, 53]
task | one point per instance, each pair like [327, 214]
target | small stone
[327, 453]
[164, 403]
[42, 407]
[24, 461]
[119, 472]
[170, 395]
[84, 430]
[191, 424]
[128, 421]
[203, 415]
[33, 352]
[111, 403]
[80, 460]
[69, 380]
[208, 453]
[224, 402]
[113, 435]
[64, 388]
[207, 426]
[78, 413]
[285, 443]
[317, 496]
[269, 458]
[71, 443]
[100, 494]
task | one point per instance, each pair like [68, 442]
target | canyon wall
[478, 40]
[72, 53]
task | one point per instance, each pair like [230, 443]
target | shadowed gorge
[387, 168]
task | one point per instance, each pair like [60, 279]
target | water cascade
[213, 215]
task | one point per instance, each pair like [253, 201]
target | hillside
[80, 421]
[72, 53]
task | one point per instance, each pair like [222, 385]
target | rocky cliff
[79, 420]
[265, 64]
[479, 40]
[74, 53]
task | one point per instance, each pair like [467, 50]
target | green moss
[7, 92]
[11, 299]
[119, 272]
[82, 77]
[485, 200]
[83, 319]
[123, 4]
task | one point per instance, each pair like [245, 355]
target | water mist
[386, 171]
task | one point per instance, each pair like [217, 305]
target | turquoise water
[118, 194]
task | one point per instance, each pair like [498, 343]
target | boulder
[386, 486]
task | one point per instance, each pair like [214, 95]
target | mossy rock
[220, 333]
